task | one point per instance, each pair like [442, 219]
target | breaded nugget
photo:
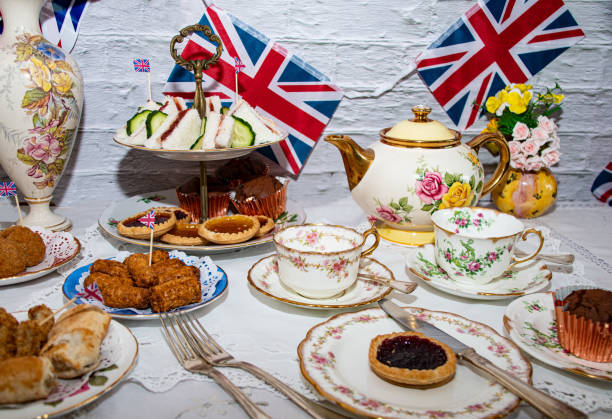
[38, 314]
[8, 327]
[144, 276]
[30, 243]
[159, 256]
[167, 265]
[125, 296]
[109, 267]
[173, 294]
[102, 279]
[29, 338]
[179, 273]
[12, 258]
[136, 261]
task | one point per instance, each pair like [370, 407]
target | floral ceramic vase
[526, 194]
[40, 109]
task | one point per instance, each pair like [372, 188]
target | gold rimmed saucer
[263, 277]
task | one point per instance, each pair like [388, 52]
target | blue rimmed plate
[212, 278]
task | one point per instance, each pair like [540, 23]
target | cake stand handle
[203, 192]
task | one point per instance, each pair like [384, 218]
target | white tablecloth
[255, 328]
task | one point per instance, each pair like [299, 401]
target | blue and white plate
[212, 278]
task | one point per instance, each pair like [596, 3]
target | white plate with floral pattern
[118, 352]
[530, 323]
[263, 277]
[119, 210]
[521, 280]
[62, 247]
[334, 359]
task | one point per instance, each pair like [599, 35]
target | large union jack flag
[495, 43]
[274, 81]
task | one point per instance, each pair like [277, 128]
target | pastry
[229, 229]
[263, 195]
[188, 196]
[109, 267]
[240, 170]
[25, 378]
[584, 321]
[410, 358]
[12, 258]
[182, 216]
[176, 293]
[8, 328]
[131, 227]
[266, 225]
[74, 341]
[28, 241]
[183, 235]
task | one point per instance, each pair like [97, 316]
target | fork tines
[209, 349]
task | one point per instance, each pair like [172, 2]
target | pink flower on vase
[539, 136]
[547, 124]
[529, 147]
[474, 266]
[45, 148]
[35, 172]
[533, 163]
[388, 214]
[431, 188]
[551, 158]
[515, 147]
[520, 131]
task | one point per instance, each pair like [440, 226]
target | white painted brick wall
[361, 44]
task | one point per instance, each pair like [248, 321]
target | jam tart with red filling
[182, 215]
[133, 228]
[411, 358]
[229, 229]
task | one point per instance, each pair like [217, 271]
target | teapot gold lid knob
[420, 113]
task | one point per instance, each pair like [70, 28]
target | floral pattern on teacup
[314, 240]
[466, 261]
[463, 220]
[334, 268]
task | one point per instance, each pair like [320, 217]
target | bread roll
[25, 378]
[74, 341]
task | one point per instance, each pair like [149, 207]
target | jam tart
[182, 216]
[183, 234]
[131, 227]
[411, 358]
[229, 229]
[266, 225]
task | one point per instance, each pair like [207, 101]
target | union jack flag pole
[149, 221]
[9, 189]
[143, 65]
[238, 67]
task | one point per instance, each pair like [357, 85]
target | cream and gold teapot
[416, 168]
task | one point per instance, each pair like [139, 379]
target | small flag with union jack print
[238, 66]
[142, 65]
[602, 186]
[149, 219]
[8, 189]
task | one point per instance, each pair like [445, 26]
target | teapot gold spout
[356, 159]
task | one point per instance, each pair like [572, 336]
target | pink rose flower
[529, 147]
[555, 143]
[518, 161]
[388, 214]
[431, 188]
[539, 136]
[34, 172]
[45, 148]
[514, 146]
[520, 131]
[473, 266]
[547, 124]
[533, 163]
[550, 158]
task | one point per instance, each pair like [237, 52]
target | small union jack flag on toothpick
[9, 189]
[149, 219]
[142, 65]
[239, 66]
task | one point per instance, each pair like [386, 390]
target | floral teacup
[476, 245]
[319, 260]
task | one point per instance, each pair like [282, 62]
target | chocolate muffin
[188, 195]
[263, 195]
[592, 304]
[238, 171]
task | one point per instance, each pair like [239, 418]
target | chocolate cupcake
[263, 195]
[188, 196]
[238, 171]
[584, 322]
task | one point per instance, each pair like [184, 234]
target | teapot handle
[504, 157]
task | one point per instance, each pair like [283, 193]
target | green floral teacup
[476, 245]
[319, 260]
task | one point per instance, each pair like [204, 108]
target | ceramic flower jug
[41, 100]
[418, 167]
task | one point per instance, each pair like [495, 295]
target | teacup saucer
[263, 277]
[533, 277]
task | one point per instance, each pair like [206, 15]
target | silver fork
[218, 357]
[188, 355]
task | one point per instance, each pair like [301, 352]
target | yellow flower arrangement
[40, 74]
[458, 195]
[62, 82]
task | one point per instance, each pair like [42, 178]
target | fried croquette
[109, 267]
[8, 327]
[124, 296]
[176, 293]
[104, 279]
[29, 338]
[38, 314]
[179, 273]
[12, 258]
[30, 243]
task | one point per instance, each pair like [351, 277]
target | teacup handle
[371, 230]
[524, 237]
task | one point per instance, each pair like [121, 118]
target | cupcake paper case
[578, 332]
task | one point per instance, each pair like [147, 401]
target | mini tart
[229, 229]
[266, 225]
[131, 227]
[410, 358]
[182, 215]
[183, 235]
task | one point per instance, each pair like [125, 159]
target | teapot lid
[421, 128]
